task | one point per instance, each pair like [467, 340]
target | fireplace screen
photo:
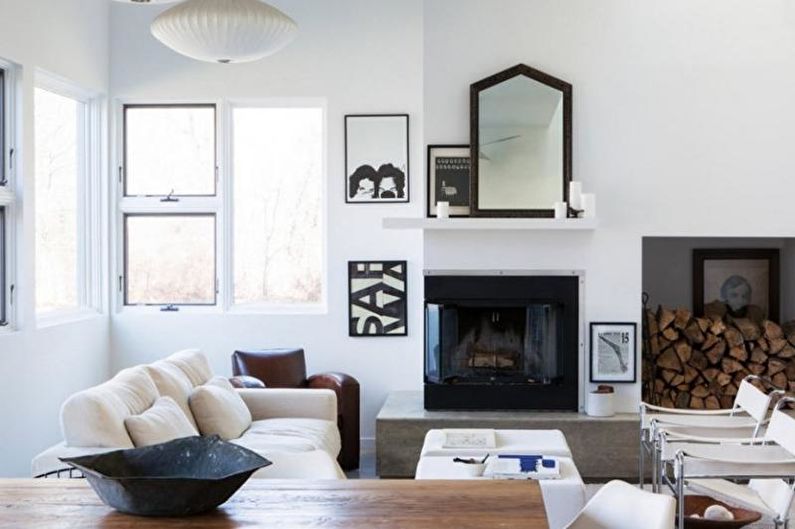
[472, 344]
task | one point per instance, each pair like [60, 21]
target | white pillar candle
[575, 194]
[589, 205]
[561, 210]
[442, 210]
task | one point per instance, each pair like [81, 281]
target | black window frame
[3, 126]
[168, 306]
[123, 168]
[3, 276]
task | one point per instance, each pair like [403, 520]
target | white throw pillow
[163, 422]
[219, 410]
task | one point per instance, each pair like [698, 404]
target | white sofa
[294, 428]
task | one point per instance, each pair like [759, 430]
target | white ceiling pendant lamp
[224, 31]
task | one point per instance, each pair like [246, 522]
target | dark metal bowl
[178, 478]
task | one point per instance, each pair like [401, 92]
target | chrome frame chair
[770, 457]
[744, 419]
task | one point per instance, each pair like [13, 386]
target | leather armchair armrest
[347, 390]
[271, 403]
[246, 381]
[332, 381]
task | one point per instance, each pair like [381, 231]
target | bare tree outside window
[170, 149]
[57, 121]
[170, 259]
[277, 176]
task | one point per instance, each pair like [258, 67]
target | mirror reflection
[520, 148]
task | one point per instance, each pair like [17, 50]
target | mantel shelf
[470, 223]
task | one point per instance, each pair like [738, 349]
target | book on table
[521, 466]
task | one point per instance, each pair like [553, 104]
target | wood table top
[293, 504]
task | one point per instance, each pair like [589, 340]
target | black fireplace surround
[501, 342]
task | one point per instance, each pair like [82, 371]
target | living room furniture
[294, 428]
[711, 467]
[353, 504]
[619, 505]
[563, 497]
[286, 368]
[402, 423]
[744, 419]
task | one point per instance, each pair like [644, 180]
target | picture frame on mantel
[448, 179]
[377, 158]
[613, 352]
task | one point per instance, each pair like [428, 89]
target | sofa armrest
[274, 403]
[49, 460]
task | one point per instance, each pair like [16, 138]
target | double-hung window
[67, 160]
[169, 206]
[222, 206]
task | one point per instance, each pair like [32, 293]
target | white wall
[682, 125]
[362, 57]
[41, 367]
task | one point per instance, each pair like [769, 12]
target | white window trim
[221, 205]
[10, 192]
[90, 204]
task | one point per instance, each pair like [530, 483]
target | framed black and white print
[376, 158]
[448, 178]
[377, 298]
[613, 352]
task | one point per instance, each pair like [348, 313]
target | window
[169, 206]
[170, 259]
[169, 150]
[63, 237]
[277, 191]
[7, 195]
[198, 228]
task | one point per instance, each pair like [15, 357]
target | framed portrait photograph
[448, 178]
[613, 352]
[745, 280]
[376, 158]
[377, 298]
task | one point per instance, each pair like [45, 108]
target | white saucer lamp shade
[224, 30]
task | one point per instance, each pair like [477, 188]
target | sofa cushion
[171, 381]
[219, 410]
[291, 435]
[194, 364]
[163, 422]
[95, 416]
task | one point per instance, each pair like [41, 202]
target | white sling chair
[619, 505]
[658, 425]
[770, 466]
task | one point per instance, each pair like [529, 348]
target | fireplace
[501, 342]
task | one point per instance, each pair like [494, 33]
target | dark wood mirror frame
[474, 115]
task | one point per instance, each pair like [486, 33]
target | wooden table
[293, 504]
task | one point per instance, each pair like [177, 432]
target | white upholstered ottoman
[563, 497]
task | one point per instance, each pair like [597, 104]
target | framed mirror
[520, 132]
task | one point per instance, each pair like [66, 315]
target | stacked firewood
[699, 362]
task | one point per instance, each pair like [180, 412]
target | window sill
[65, 316]
[242, 310]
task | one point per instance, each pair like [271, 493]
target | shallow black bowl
[178, 478]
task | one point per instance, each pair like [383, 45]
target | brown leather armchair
[286, 368]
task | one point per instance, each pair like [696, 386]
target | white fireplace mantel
[475, 223]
